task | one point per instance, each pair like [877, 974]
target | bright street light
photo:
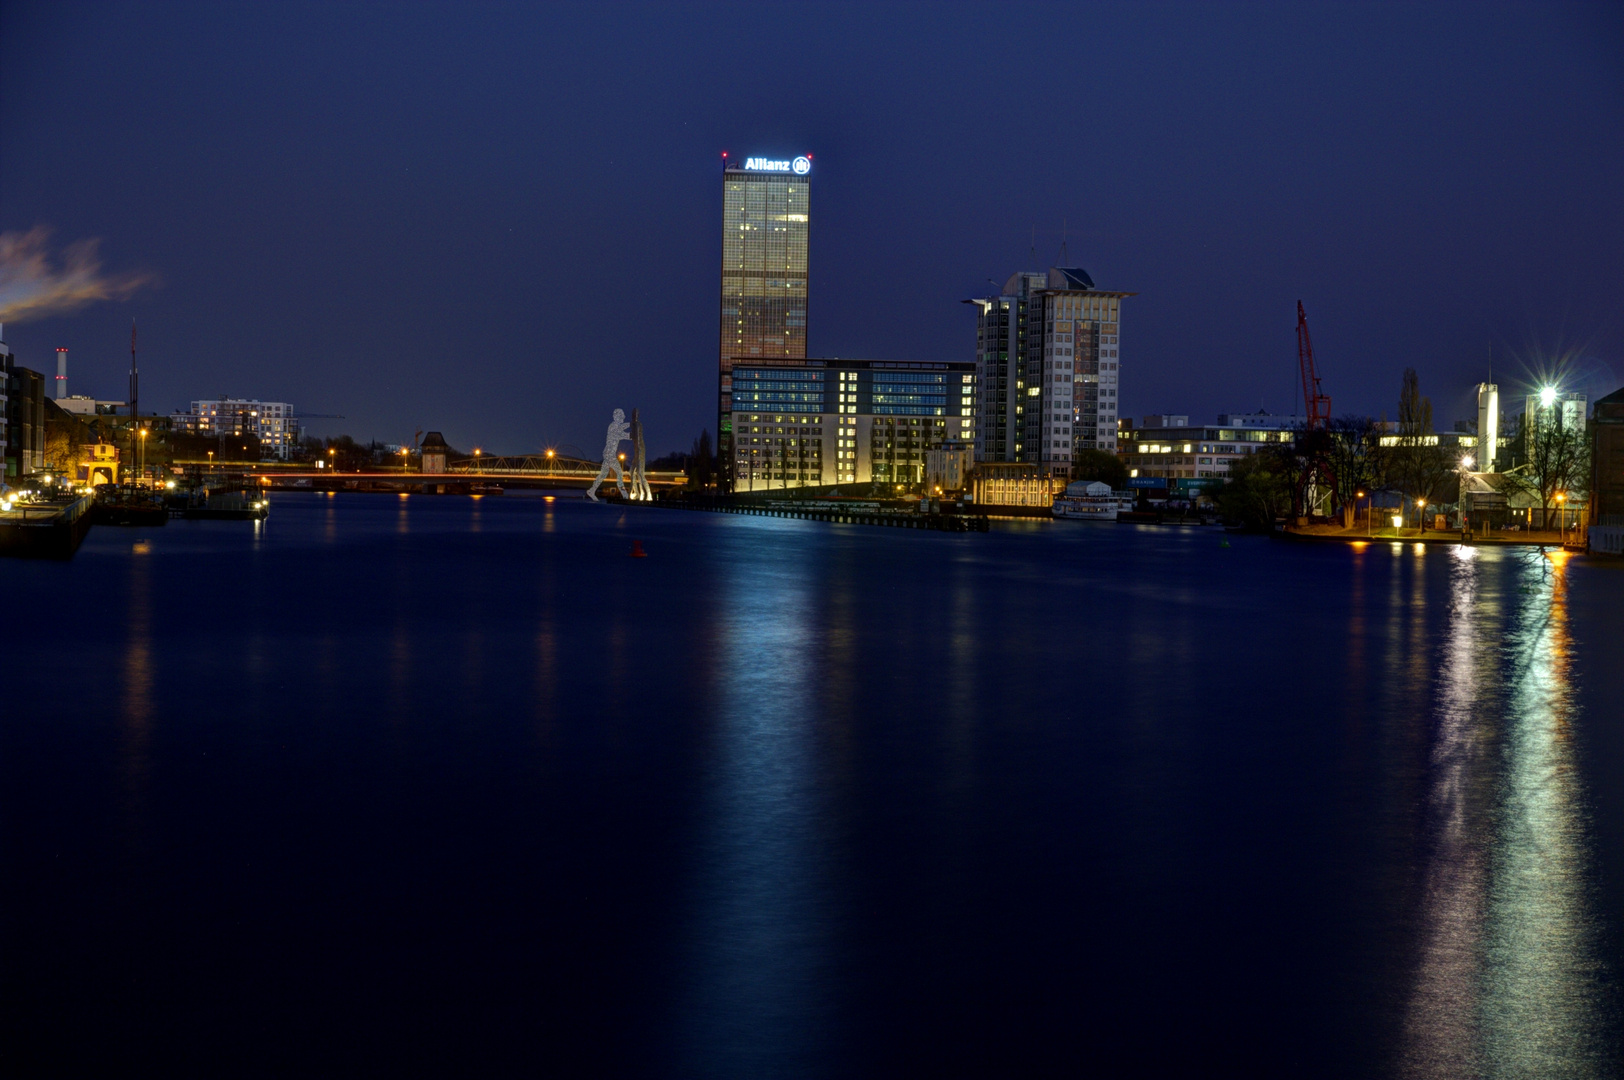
[1547, 396]
[1466, 462]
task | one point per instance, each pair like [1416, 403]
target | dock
[833, 512]
[51, 530]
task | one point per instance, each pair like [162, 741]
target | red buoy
[637, 550]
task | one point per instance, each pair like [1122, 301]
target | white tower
[1488, 425]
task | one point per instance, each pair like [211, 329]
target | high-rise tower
[1047, 369]
[765, 215]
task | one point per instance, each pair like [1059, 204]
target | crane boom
[1317, 405]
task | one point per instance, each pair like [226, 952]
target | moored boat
[1087, 501]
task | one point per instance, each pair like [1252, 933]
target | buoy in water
[1224, 542]
[637, 550]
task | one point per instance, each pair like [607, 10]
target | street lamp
[1547, 396]
[1561, 515]
[1421, 513]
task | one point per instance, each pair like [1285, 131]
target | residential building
[22, 416]
[272, 422]
[1048, 369]
[765, 220]
[5, 402]
[950, 467]
[823, 422]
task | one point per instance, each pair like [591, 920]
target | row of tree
[1364, 456]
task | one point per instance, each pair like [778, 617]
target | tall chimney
[61, 374]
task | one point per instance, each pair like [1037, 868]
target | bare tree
[1355, 455]
[1558, 460]
[1416, 463]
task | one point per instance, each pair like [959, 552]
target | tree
[1100, 465]
[1417, 465]
[1354, 452]
[1557, 460]
[701, 462]
[1261, 488]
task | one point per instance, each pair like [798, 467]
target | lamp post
[549, 462]
[141, 456]
[1357, 495]
[478, 465]
[1421, 514]
[1561, 516]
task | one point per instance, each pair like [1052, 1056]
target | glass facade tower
[765, 216]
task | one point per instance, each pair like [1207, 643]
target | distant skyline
[503, 222]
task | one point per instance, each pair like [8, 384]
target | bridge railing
[541, 465]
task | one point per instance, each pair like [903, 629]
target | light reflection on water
[1509, 981]
[760, 931]
[788, 795]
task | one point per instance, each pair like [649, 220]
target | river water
[451, 786]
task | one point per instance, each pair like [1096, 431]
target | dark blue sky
[502, 221]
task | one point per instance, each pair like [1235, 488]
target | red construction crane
[1317, 404]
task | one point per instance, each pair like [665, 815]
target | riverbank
[1332, 534]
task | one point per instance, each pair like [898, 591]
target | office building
[765, 219]
[813, 423]
[1048, 369]
[272, 422]
[1263, 421]
[1199, 456]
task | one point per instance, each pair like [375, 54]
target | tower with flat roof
[765, 216]
[1048, 369]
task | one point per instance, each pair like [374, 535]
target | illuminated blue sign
[800, 166]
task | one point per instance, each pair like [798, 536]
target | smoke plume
[32, 288]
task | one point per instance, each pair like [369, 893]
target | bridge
[549, 467]
[465, 474]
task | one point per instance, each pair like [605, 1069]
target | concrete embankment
[820, 510]
[1418, 536]
[45, 531]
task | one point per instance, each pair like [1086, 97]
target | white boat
[1086, 501]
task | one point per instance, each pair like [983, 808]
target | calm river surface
[450, 786]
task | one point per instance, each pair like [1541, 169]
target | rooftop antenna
[1064, 258]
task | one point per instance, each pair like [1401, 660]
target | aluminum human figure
[640, 488]
[618, 431]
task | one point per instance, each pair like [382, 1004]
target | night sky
[502, 221]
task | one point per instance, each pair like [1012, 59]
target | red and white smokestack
[61, 374]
